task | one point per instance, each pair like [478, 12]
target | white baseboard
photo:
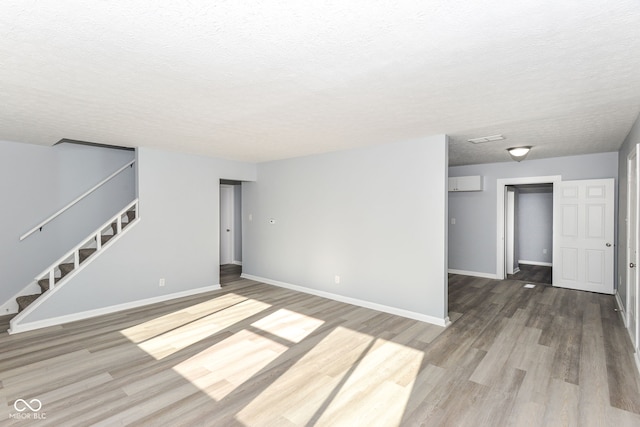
[625, 320]
[516, 270]
[236, 262]
[544, 264]
[54, 321]
[473, 273]
[354, 301]
[621, 310]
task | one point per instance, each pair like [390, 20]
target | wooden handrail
[76, 200]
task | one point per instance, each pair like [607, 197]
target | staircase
[70, 263]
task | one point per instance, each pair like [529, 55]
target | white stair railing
[76, 200]
[74, 254]
[50, 272]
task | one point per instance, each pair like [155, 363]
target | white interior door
[583, 227]
[226, 224]
[632, 247]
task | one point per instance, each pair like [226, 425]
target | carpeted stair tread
[44, 284]
[131, 215]
[25, 300]
[114, 226]
[85, 253]
[106, 238]
[65, 269]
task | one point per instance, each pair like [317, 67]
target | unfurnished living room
[353, 213]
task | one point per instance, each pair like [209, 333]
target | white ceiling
[258, 80]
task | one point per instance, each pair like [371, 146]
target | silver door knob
[631, 265]
[608, 245]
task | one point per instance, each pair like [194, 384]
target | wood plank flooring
[256, 355]
[533, 274]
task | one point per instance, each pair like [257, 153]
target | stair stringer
[15, 323]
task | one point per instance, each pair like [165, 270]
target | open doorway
[230, 230]
[529, 232]
[501, 215]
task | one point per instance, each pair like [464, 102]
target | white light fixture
[518, 153]
[486, 139]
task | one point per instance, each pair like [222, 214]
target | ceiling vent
[486, 139]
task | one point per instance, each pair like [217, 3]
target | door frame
[510, 229]
[502, 183]
[232, 218]
[632, 200]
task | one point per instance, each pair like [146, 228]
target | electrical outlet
[161, 283]
[544, 251]
[336, 278]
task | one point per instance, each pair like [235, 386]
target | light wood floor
[257, 355]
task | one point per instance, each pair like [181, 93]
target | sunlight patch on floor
[288, 324]
[182, 337]
[162, 324]
[221, 368]
[378, 391]
[323, 367]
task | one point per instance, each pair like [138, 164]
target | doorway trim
[510, 228]
[633, 215]
[230, 211]
[502, 183]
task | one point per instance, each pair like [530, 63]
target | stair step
[86, 253]
[44, 284]
[65, 269]
[106, 238]
[114, 226]
[25, 300]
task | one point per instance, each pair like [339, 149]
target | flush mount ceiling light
[486, 139]
[518, 153]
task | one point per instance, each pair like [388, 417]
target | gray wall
[35, 182]
[472, 240]
[237, 223]
[632, 139]
[535, 225]
[374, 216]
[176, 239]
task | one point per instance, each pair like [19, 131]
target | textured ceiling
[256, 81]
